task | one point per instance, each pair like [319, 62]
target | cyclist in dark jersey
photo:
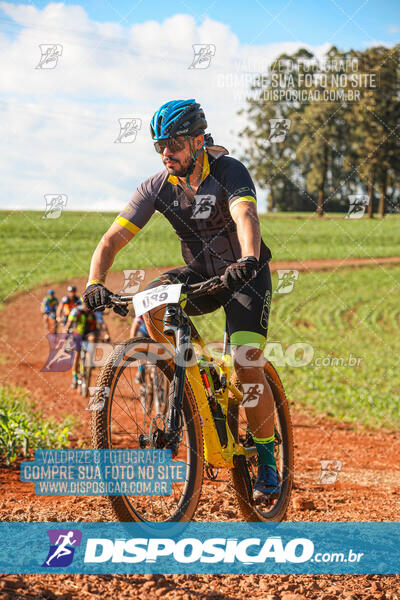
[210, 200]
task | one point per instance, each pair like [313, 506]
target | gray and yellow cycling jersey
[204, 224]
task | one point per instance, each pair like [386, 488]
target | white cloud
[58, 126]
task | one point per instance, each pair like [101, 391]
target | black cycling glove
[96, 297]
[240, 272]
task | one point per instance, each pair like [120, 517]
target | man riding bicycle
[209, 199]
[83, 324]
[49, 309]
[67, 303]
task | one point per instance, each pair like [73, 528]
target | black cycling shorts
[247, 310]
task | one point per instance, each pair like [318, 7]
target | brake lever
[120, 309]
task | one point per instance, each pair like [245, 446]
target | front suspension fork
[173, 326]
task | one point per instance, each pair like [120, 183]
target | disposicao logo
[62, 547]
[190, 550]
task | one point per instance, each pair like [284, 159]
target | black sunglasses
[174, 144]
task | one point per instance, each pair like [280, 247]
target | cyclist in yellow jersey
[210, 200]
[82, 324]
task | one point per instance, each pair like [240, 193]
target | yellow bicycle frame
[215, 454]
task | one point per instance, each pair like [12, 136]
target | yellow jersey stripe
[173, 179]
[127, 224]
[243, 199]
[206, 167]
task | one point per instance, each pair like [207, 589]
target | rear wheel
[126, 421]
[244, 474]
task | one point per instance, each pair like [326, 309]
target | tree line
[320, 132]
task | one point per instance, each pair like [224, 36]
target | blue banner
[214, 548]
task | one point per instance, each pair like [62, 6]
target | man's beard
[181, 169]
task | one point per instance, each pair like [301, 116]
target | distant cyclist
[104, 333]
[49, 311]
[67, 303]
[138, 328]
[83, 324]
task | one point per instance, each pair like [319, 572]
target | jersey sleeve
[139, 209]
[238, 183]
[73, 316]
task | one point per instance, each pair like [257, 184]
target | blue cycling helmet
[178, 117]
[50, 292]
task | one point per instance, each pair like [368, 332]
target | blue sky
[345, 23]
[122, 60]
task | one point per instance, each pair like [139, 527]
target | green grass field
[349, 313]
[36, 250]
[343, 313]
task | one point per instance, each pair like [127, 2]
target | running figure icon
[62, 547]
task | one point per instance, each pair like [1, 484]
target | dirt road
[367, 488]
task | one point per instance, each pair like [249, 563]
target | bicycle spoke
[131, 416]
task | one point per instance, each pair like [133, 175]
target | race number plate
[163, 294]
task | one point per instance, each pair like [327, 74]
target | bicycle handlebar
[204, 287]
[212, 285]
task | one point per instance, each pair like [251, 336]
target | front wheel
[125, 421]
[243, 475]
